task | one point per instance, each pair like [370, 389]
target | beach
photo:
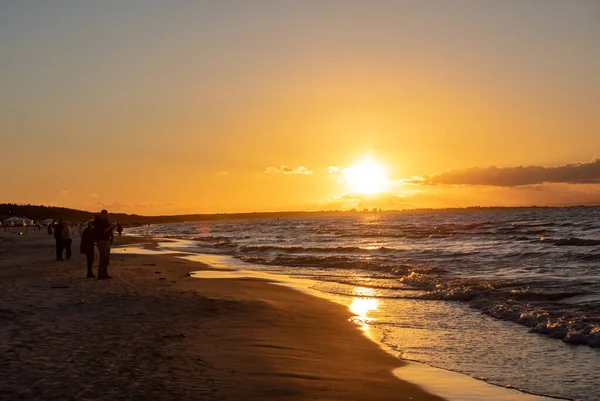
[311, 200]
[153, 332]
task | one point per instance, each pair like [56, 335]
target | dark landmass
[40, 212]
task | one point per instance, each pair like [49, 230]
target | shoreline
[453, 386]
[443, 382]
[157, 333]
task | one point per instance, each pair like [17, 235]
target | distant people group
[98, 233]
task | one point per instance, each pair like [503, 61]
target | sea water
[510, 296]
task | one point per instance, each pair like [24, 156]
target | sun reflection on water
[362, 305]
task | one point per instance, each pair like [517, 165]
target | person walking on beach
[87, 247]
[102, 233]
[119, 228]
[67, 240]
[58, 238]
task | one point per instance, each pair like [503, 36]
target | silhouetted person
[87, 247]
[67, 240]
[119, 228]
[111, 238]
[58, 238]
[49, 229]
[102, 234]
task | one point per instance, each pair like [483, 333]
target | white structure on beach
[17, 221]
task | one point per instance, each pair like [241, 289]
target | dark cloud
[575, 173]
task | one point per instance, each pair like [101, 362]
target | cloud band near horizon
[574, 173]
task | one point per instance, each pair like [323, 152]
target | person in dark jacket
[58, 230]
[87, 247]
[103, 232]
[67, 238]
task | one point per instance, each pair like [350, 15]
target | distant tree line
[39, 212]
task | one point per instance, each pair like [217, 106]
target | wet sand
[153, 332]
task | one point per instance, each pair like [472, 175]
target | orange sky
[188, 107]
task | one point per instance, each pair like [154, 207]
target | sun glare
[366, 177]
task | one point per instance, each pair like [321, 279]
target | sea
[508, 296]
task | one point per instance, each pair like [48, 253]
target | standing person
[111, 238]
[119, 228]
[58, 238]
[102, 232]
[50, 229]
[87, 247]
[67, 239]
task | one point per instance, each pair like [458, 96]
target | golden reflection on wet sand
[362, 308]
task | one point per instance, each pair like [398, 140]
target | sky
[155, 107]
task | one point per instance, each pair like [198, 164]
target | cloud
[152, 205]
[222, 173]
[113, 205]
[574, 173]
[288, 170]
[64, 192]
[93, 195]
[333, 169]
[118, 206]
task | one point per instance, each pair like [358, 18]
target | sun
[366, 177]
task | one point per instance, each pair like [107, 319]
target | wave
[572, 241]
[572, 328]
[339, 262]
[537, 309]
[588, 257]
[383, 234]
[301, 249]
[519, 238]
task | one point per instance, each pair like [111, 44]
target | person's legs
[90, 263]
[59, 249]
[101, 258]
[103, 250]
[68, 248]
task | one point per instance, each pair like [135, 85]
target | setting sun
[366, 177]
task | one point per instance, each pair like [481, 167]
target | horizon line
[323, 211]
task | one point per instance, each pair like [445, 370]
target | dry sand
[154, 333]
